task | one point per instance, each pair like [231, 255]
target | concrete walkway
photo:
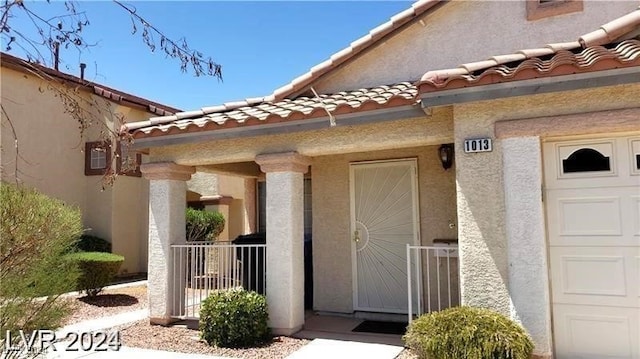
[103, 323]
[126, 352]
[327, 348]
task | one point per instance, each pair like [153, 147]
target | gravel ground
[407, 354]
[179, 338]
[108, 302]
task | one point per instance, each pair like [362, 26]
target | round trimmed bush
[234, 318]
[466, 332]
[97, 270]
[89, 243]
[203, 225]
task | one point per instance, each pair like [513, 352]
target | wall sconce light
[446, 155]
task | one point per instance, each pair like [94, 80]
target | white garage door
[593, 218]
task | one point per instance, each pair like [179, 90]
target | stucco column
[285, 239]
[167, 206]
[527, 252]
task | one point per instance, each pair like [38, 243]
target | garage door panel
[594, 217]
[595, 276]
[589, 216]
[596, 332]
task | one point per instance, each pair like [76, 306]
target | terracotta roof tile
[234, 115]
[563, 62]
[611, 30]
[583, 55]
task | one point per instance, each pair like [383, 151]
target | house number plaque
[478, 145]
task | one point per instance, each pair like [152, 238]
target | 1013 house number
[478, 145]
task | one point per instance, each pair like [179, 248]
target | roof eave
[535, 86]
[318, 123]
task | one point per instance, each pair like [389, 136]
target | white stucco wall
[285, 233]
[462, 32]
[167, 205]
[525, 230]
[332, 267]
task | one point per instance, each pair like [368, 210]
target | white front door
[384, 219]
[593, 215]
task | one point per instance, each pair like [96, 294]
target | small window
[586, 160]
[97, 158]
[540, 9]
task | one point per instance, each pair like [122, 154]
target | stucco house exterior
[543, 195]
[54, 159]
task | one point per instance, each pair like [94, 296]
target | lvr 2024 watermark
[41, 341]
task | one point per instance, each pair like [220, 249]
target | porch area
[383, 228]
[198, 269]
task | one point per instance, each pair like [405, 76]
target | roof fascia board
[368, 117]
[532, 87]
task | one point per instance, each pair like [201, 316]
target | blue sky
[261, 45]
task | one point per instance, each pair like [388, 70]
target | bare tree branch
[182, 52]
[66, 30]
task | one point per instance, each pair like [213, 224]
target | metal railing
[199, 269]
[432, 279]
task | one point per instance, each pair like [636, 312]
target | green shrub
[35, 232]
[97, 270]
[203, 225]
[89, 243]
[466, 332]
[234, 318]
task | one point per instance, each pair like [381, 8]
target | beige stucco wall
[205, 184]
[130, 215]
[333, 290]
[53, 159]
[419, 131]
[479, 30]
[480, 189]
[50, 143]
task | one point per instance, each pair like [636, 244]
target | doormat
[374, 326]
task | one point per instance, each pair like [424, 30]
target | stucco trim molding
[626, 120]
[283, 162]
[166, 171]
[216, 200]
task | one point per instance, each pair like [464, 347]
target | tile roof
[587, 54]
[19, 64]
[584, 55]
[218, 117]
